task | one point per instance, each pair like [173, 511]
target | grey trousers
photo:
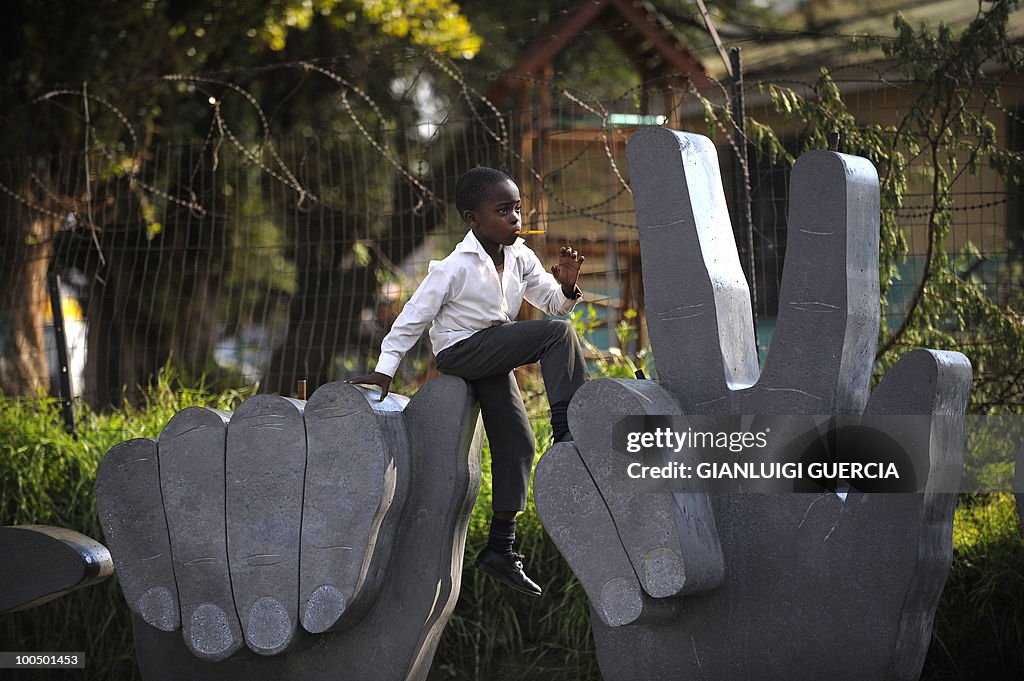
[487, 359]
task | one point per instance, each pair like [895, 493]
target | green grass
[495, 634]
[46, 478]
[979, 626]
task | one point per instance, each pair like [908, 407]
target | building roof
[644, 35]
[774, 52]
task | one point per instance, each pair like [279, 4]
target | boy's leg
[499, 349]
[487, 359]
[511, 438]
[512, 449]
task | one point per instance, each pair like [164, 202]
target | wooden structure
[545, 145]
[645, 36]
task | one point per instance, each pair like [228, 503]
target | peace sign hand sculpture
[689, 585]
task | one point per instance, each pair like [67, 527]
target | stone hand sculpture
[295, 540]
[686, 584]
[44, 563]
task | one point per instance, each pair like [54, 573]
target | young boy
[472, 298]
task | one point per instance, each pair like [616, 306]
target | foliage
[616, 362]
[434, 23]
[979, 625]
[107, 91]
[947, 131]
[497, 634]
[46, 478]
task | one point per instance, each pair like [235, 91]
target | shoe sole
[498, 576]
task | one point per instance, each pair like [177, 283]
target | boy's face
[499, 215]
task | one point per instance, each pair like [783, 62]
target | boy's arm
[554, 292]
[430, 295]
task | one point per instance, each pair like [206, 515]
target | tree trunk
[26, 248]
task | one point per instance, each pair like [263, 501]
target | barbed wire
[912, 212]
[581, 98]
[584, 183]
[123, 119]
[289, 177]
[575, 95]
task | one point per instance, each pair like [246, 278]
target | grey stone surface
[264, 471]
[354, 456]
[43, 563]
[695, 295]
[191, 453]
[937, 384]
[131, 513]
[671, 539]
[824, 342]
[398, 490]
[817, 585]
[578, 520]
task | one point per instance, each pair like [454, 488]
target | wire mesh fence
[248, 257]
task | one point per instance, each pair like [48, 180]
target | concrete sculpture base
[760, 584]
[295, 540]
[43, 563]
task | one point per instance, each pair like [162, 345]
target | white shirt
[464, 293]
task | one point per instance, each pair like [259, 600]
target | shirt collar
[472, 245]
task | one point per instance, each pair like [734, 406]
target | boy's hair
[472, 187]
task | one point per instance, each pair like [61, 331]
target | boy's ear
[469, 215]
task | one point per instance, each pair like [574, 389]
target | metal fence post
[60, 336]
[744, 218]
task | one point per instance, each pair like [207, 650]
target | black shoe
[507, 568]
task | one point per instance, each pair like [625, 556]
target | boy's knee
[569, 335]
[562, 329]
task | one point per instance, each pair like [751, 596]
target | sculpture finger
[418, 594]
[356, 482]
[192, 450]
[264, 471]
[670, 538]
[772, 608]
[935, 384]
[44, 563]
[576, 518]
[829, 291]
[445, 440]
[132, 516]
[697, 300]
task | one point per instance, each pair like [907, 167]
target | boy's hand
[567, 271]
[382, 381]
